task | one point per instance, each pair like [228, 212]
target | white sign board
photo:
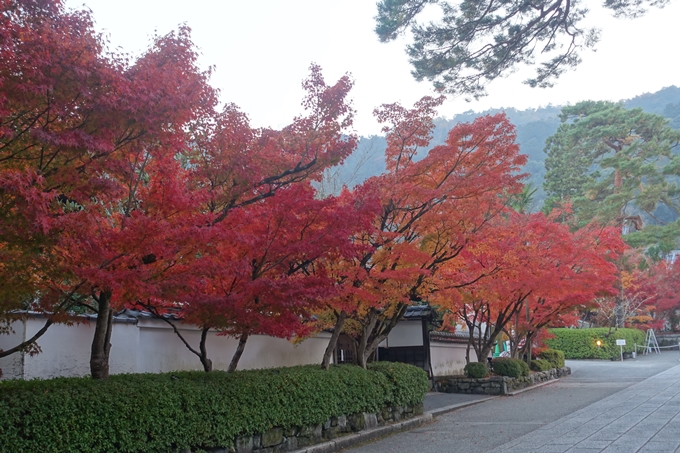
[620, 342]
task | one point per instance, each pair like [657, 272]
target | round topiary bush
[476, 370]
[554, 357]
[510, 367]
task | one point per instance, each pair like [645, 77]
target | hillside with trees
[533, 126]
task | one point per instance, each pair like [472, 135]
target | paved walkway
[644, 417]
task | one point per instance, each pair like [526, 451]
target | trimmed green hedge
[510, 367]
[554, 357]
[409, 383]
[582, 343]
[172, 411]
[476, 370]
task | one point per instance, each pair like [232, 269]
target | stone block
[303, 442]
[317, 434]
[370, 421]
[342, 423]
[418, 409]
[381, 419]
[291, 443]
[356, 422]
[313, 433]
[244, 444]
[331, 433]
[272, 437]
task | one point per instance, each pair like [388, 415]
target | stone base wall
[282, 440]
[497, 385]
[667, 338]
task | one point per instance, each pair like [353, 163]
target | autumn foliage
[123, 186]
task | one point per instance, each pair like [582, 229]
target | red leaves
[430, 210]
[120, 178]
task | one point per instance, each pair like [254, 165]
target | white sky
[262, 49]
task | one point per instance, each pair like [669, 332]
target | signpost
[621, 344]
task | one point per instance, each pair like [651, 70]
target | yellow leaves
[630, 281]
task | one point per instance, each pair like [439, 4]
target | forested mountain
[534, 126]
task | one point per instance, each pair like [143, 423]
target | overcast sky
[262, 49]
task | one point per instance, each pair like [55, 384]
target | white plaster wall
[147, 347]
[12, 365]
[161, 350]
[66, 350]
[268, 352]
[448, 359]
[405, 333]
[124, 350]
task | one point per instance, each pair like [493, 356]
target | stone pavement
[644, 417]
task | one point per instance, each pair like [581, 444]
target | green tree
[476, 41]
[617, 166]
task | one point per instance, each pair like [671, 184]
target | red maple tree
[542, 272]
[257, 248]
[430, 208]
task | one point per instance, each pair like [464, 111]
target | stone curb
[446, 409]
[531, 387]
[366, 435]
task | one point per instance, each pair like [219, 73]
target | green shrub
[554, 357]
[540, 365]
[510, 367]
[525, 368]
[476, 370]
[582, 343]
[173, 411]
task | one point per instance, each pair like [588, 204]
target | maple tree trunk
[467, 353]
[101, 343]
[239, 352]
[485, 351]
[526, 350]
[529, 340]
[514, 340]
[203, 356]
[362, 360]
[619, 313]
[363, 347]
[326, 362]
[375, 332]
